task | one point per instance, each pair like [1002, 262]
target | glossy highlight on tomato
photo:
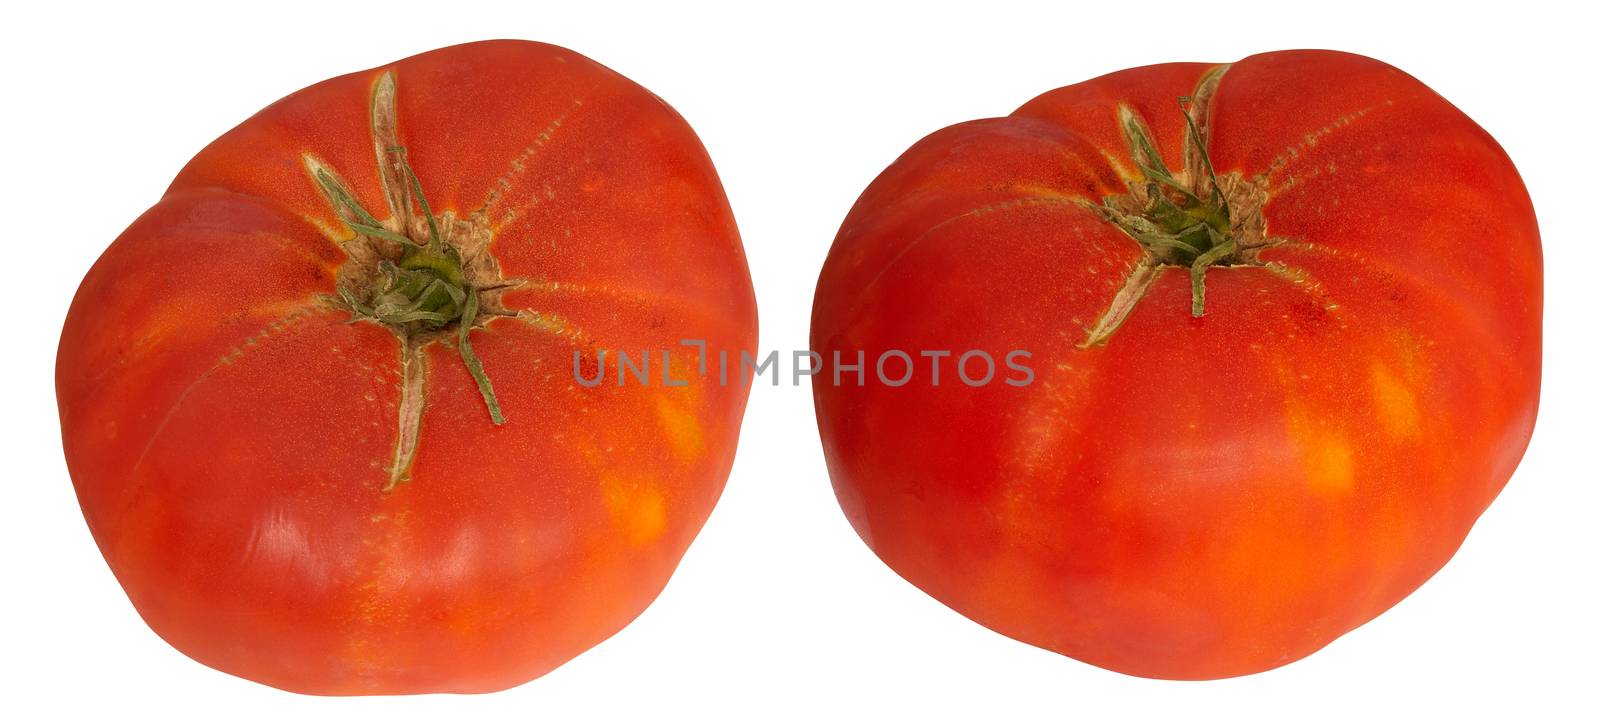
[1285, 315]
[318, 403]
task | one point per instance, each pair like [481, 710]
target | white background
[779, 614]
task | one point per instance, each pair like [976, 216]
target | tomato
[320, 406]
[1283, 318]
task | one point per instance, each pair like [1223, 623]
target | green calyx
[1181, 223]
[423, 289]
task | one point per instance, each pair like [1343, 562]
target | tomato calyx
[1184, 223]
[427, 278]
[1193, 219]
[425, 290]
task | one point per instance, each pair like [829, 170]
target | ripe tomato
[1285, 320]
[319, 402]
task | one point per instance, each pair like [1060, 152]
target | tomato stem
[1177, 223]
[1194, 219]
[416, 277]
[425, 289]
[474, 366]
[413, 281]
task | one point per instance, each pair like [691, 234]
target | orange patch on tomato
[1325, 452]
[682, 429]
[1330, 468]
[638, 508]
[1397, 405]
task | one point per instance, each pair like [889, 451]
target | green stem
[1197, 275]
[373, 231]
[474, 366]
[422, 200]
[426, 289]
[344, 204]
[1198, 138]
[1175, 223]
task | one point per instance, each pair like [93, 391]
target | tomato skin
[228, 430]
[1196, 497]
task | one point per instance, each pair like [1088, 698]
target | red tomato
[304, 469]
[1284, 322]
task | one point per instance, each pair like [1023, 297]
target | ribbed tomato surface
[269, 409]
[1193, 486]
